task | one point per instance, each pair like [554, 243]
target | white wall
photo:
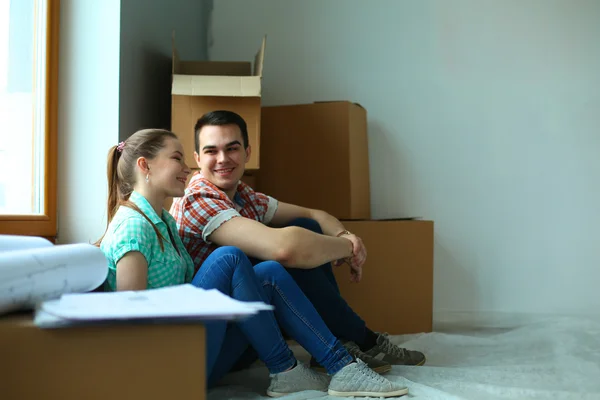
[483, 116]
[88, 121]
[115, 78]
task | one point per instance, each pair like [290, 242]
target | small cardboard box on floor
[317, 156]
[203, 86]
[396, 291]
[119, 362]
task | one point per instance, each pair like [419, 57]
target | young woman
[145, 252]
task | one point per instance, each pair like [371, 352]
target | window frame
[46, 223]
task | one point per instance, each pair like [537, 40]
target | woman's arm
[132, 272]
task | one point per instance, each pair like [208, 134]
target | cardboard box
[250, 180]
[316, 156]
[395, 294]
[247, 178]
[203, 86]
[121, 362]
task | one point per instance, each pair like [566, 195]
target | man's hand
[359, 256]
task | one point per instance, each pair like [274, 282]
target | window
[28, 116]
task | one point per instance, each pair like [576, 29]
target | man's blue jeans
[228, 270]
[321, 288]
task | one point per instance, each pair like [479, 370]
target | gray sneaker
[381, 367]
[357, 379]
[296, 380]
[393, 354]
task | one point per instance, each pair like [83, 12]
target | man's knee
[224, 251]
[307, 223]
[270, 269]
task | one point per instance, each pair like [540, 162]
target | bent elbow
[286, 250]
[284, 255]
[292, 250]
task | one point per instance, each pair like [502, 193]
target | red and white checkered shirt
[204, 207]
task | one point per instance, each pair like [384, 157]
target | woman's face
[168, 170]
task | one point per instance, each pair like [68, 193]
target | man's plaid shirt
[204, 207]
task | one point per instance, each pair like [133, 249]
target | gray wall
[483, 116]
[145, 57]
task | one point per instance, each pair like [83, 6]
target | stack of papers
[175, 304]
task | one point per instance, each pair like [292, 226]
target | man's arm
[291, 246]
[330, 226]
[286, 213]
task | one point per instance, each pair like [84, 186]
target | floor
[551, 358]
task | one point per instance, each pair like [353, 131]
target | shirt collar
[145, 206]
[237, 197]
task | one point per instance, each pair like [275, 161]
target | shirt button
[132, 241]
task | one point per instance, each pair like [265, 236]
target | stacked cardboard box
[202, 86]
[199, 87]
[316, 156]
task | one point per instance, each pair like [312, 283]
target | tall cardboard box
[316, 156]
[395, 294]
[203, 86]
[118, 362]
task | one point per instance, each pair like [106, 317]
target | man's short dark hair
[220, 117]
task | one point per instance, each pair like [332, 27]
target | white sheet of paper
[179, 301]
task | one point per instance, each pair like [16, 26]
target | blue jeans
[228, 270]
[321, 288]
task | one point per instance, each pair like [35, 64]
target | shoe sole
[395, 393]
[380, 370]
[277, 394]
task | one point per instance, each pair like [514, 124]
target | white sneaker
[295, 380]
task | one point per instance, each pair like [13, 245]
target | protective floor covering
[553, 358]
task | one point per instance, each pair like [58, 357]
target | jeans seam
[300, 316]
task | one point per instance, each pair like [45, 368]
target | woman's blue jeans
[230, 271]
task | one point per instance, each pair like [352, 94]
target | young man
[219, 210]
